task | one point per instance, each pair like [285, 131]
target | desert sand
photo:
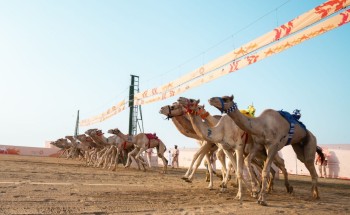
[46, 185]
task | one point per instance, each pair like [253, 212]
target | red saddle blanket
[151, 136]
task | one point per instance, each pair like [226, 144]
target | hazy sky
[57, 57]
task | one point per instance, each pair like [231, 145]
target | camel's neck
[247, 124]
[212, 134]
[211, 120]
[125, 137]
[184, 126]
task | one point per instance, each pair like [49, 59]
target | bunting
[292, 33]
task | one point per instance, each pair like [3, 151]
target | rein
[169, 114]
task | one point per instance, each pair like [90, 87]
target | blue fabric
[291, 119]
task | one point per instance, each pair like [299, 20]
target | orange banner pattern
[244, 55]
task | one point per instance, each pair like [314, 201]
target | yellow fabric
[250, 111]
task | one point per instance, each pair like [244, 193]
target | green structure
[135, 115]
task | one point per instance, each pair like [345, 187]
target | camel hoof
[263, 203]
[290, 190]
[238, 197]
[254, 194]
[223, 190]
[184, 178]
[188, 180]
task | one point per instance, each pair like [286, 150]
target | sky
[58, 57]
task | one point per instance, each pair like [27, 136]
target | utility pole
[76, 132]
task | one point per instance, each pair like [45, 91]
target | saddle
[293, 120]
[151, 137]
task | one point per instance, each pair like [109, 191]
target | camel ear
[198, 101]
[231, 97]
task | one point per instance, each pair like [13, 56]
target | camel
[273, 131]
[227, 135]
[142, 142]
[123, 147]
[253, 152]
[88, 146]
[176, 113]
[75, 151]
[101, 143]
[64, 145]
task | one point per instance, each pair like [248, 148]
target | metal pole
[131, 103]
[76, 132]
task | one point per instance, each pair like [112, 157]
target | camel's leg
[116, 159]
[306, 154]
[110, 158]
[220, 154]
[106, 157]
[279, 162]
[271, 153]
[196, 165]
[201, 151]
[210, 169]
[253, 179]
[128, 162]
[231, 155]
[138, 157]
[160, 152]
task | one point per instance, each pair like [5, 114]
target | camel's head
[89, 132]
[114, 131]
[188, 103]
[99, 132]
[81, 137]
[172, 110]
[69, 137]
[224, 104]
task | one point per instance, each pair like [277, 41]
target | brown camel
[176, 113]
[142, 142]
[272, 130]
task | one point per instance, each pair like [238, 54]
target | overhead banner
[279, 39]
[301, 22]
[105, 115]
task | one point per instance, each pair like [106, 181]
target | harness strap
[245, 135]
[290, 133]
[124, 145]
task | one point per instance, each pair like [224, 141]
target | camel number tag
[209, 132]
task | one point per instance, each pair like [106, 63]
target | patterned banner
[301, 22]
[276, 41]
[320, 28]
[105, 115]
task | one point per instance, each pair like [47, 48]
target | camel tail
[320, 153]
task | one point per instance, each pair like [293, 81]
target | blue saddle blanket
[291, 119]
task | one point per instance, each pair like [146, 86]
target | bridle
[169, 114]
[231, 109]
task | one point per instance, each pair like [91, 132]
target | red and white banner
[105, 115]
[292, 33]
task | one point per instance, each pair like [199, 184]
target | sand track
[34, 185]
